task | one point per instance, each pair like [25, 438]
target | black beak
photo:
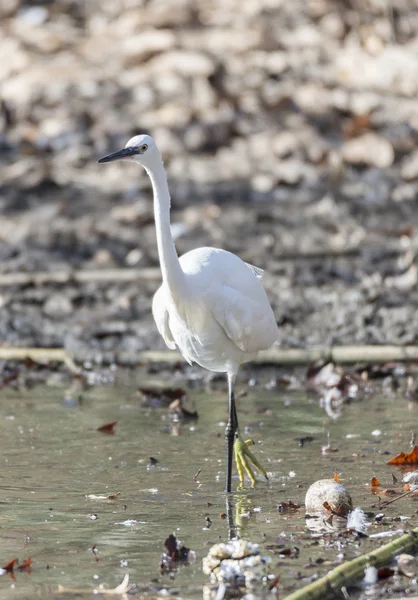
[125, 153]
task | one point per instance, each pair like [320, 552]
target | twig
[340, 354]
[154, 273]
[397, 498]
[81, 276]
[330, 586]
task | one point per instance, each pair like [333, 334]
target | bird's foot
[244, 458]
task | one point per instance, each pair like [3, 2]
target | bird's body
[223, 318]
[211, 305]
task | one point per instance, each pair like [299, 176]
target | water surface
[53, 458]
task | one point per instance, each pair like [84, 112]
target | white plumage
[211, 305]
[224, 317]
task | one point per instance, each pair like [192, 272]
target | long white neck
[171, 270]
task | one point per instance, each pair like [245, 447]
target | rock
[409, 168]
[292, 171]
[333, 25]
[141, 47]
[238, 562]
[8, 7]
[134, 257]
[394, 67]
[57, 306]
[368, 149]
[33, 16]
[332, 493]
[407, 564]
[187, 64]
[103, 257]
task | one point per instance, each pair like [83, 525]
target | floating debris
[405, 458]
[286, 507]
[411, 479]
[357, 521]
[333, 385]
[112, 496]
[156, 396]
[122, 589]
[177, 411]
[109, 428]
[175, 554]
[238, 562]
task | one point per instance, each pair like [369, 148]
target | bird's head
[140, 149]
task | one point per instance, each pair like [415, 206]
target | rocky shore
[289, 132]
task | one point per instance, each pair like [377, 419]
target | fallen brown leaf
[405, 458]
[274, 583]
[108, 428]
[10, 565]
[290, 506]
[26, 565]
[385, 572]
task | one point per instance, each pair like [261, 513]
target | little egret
[211, 305]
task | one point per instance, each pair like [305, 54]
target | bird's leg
[230, 432]
[243, 458]
[237, 448]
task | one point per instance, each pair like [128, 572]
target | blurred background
[289, 133]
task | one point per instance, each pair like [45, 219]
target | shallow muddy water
[53, 458]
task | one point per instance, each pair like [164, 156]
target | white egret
[211, 305]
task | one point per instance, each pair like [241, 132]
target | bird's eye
[144, 147]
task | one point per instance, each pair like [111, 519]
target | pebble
[57, 306]
[368, 149]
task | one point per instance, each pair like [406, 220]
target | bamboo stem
[65, 276]
[274, 356]
[330, 586]
[339, 354]
[40, 355]
[80, 276]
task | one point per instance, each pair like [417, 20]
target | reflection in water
[57, 469]
[240, 506]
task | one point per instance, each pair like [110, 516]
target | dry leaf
[385, 572]
[405, 458]
[10, 565]
[287, 507]
[108, 428]
[336, 478]
[274, 583]
[26, 565]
